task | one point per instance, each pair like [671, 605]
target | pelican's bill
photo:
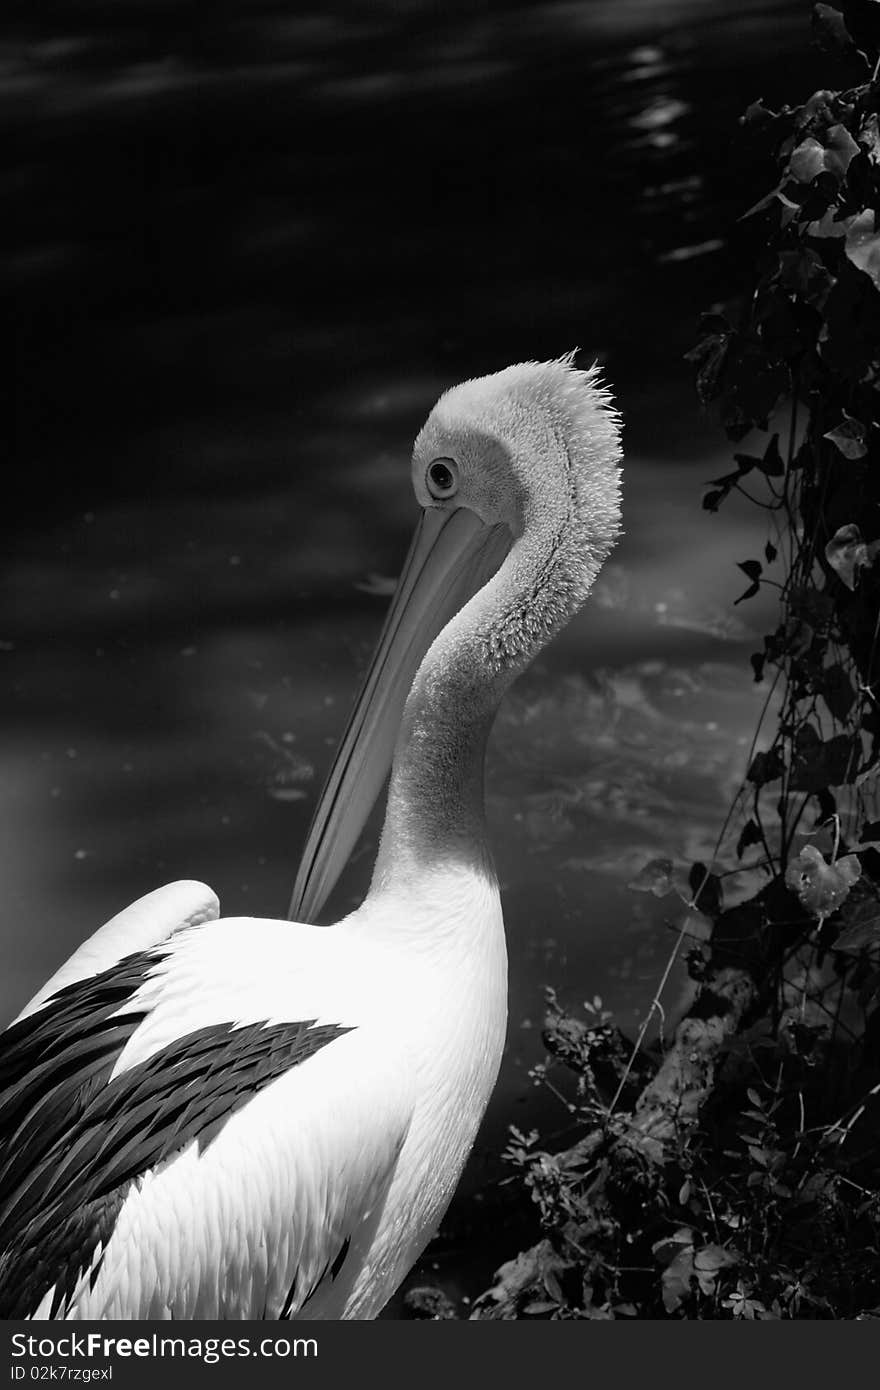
[452, 555]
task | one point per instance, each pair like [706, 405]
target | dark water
[253, 249]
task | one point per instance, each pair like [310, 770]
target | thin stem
[801, 1128]
[758, 501]
[655, 1004]
[844, 1129]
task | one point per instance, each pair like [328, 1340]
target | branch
[687, 1073]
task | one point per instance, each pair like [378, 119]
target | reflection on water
[253, 251]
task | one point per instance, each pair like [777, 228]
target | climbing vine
[797, 367]
[734, 1174]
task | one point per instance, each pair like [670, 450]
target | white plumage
[265, 1119]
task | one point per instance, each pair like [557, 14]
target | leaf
[771, 464]
[770, 553]
[657, 877]
[798, 636]
[775, 195]
[676, 1280]
[804, 271]
[753, 571]
[757, 115]
[803, 456]
[715, 1257]
[747, 593]
[650, 1148]
[807, 738]
[815, 1186]
[789, 209]
[728, 480]
[840, 150]
[863, 245]
[847, 553]
[821, 887]
[849, 436]
[816, 108]
[812, 604]
[861, 926]
[707, 890]
[828, 764]
[834, 157]
[706, 1280]
[666, 1248]
[866, 775]
[750, 835]
[757, 1115]
[828, 225]
[829, 29]
[710, 356]
[754, 381]
[708, 1264]
[782, 327]
[848, 336]
[870, 990]
[837, 691]
[807, 161]
[765, 767]
[827, 805]
[745, 463]
[869, 138]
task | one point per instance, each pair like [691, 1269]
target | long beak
[452, 555]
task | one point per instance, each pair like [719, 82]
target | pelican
[208, 1117]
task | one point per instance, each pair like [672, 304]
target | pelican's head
[529, 456]
[538, 440]
[524, 463]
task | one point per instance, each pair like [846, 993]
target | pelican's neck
[435, 818]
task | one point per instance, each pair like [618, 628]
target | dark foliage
[735, 1175]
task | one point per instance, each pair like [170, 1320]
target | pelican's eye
[442, 479]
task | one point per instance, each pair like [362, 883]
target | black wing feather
[72, 1140]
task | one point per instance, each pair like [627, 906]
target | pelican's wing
[175, 1141]
[142, 924]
